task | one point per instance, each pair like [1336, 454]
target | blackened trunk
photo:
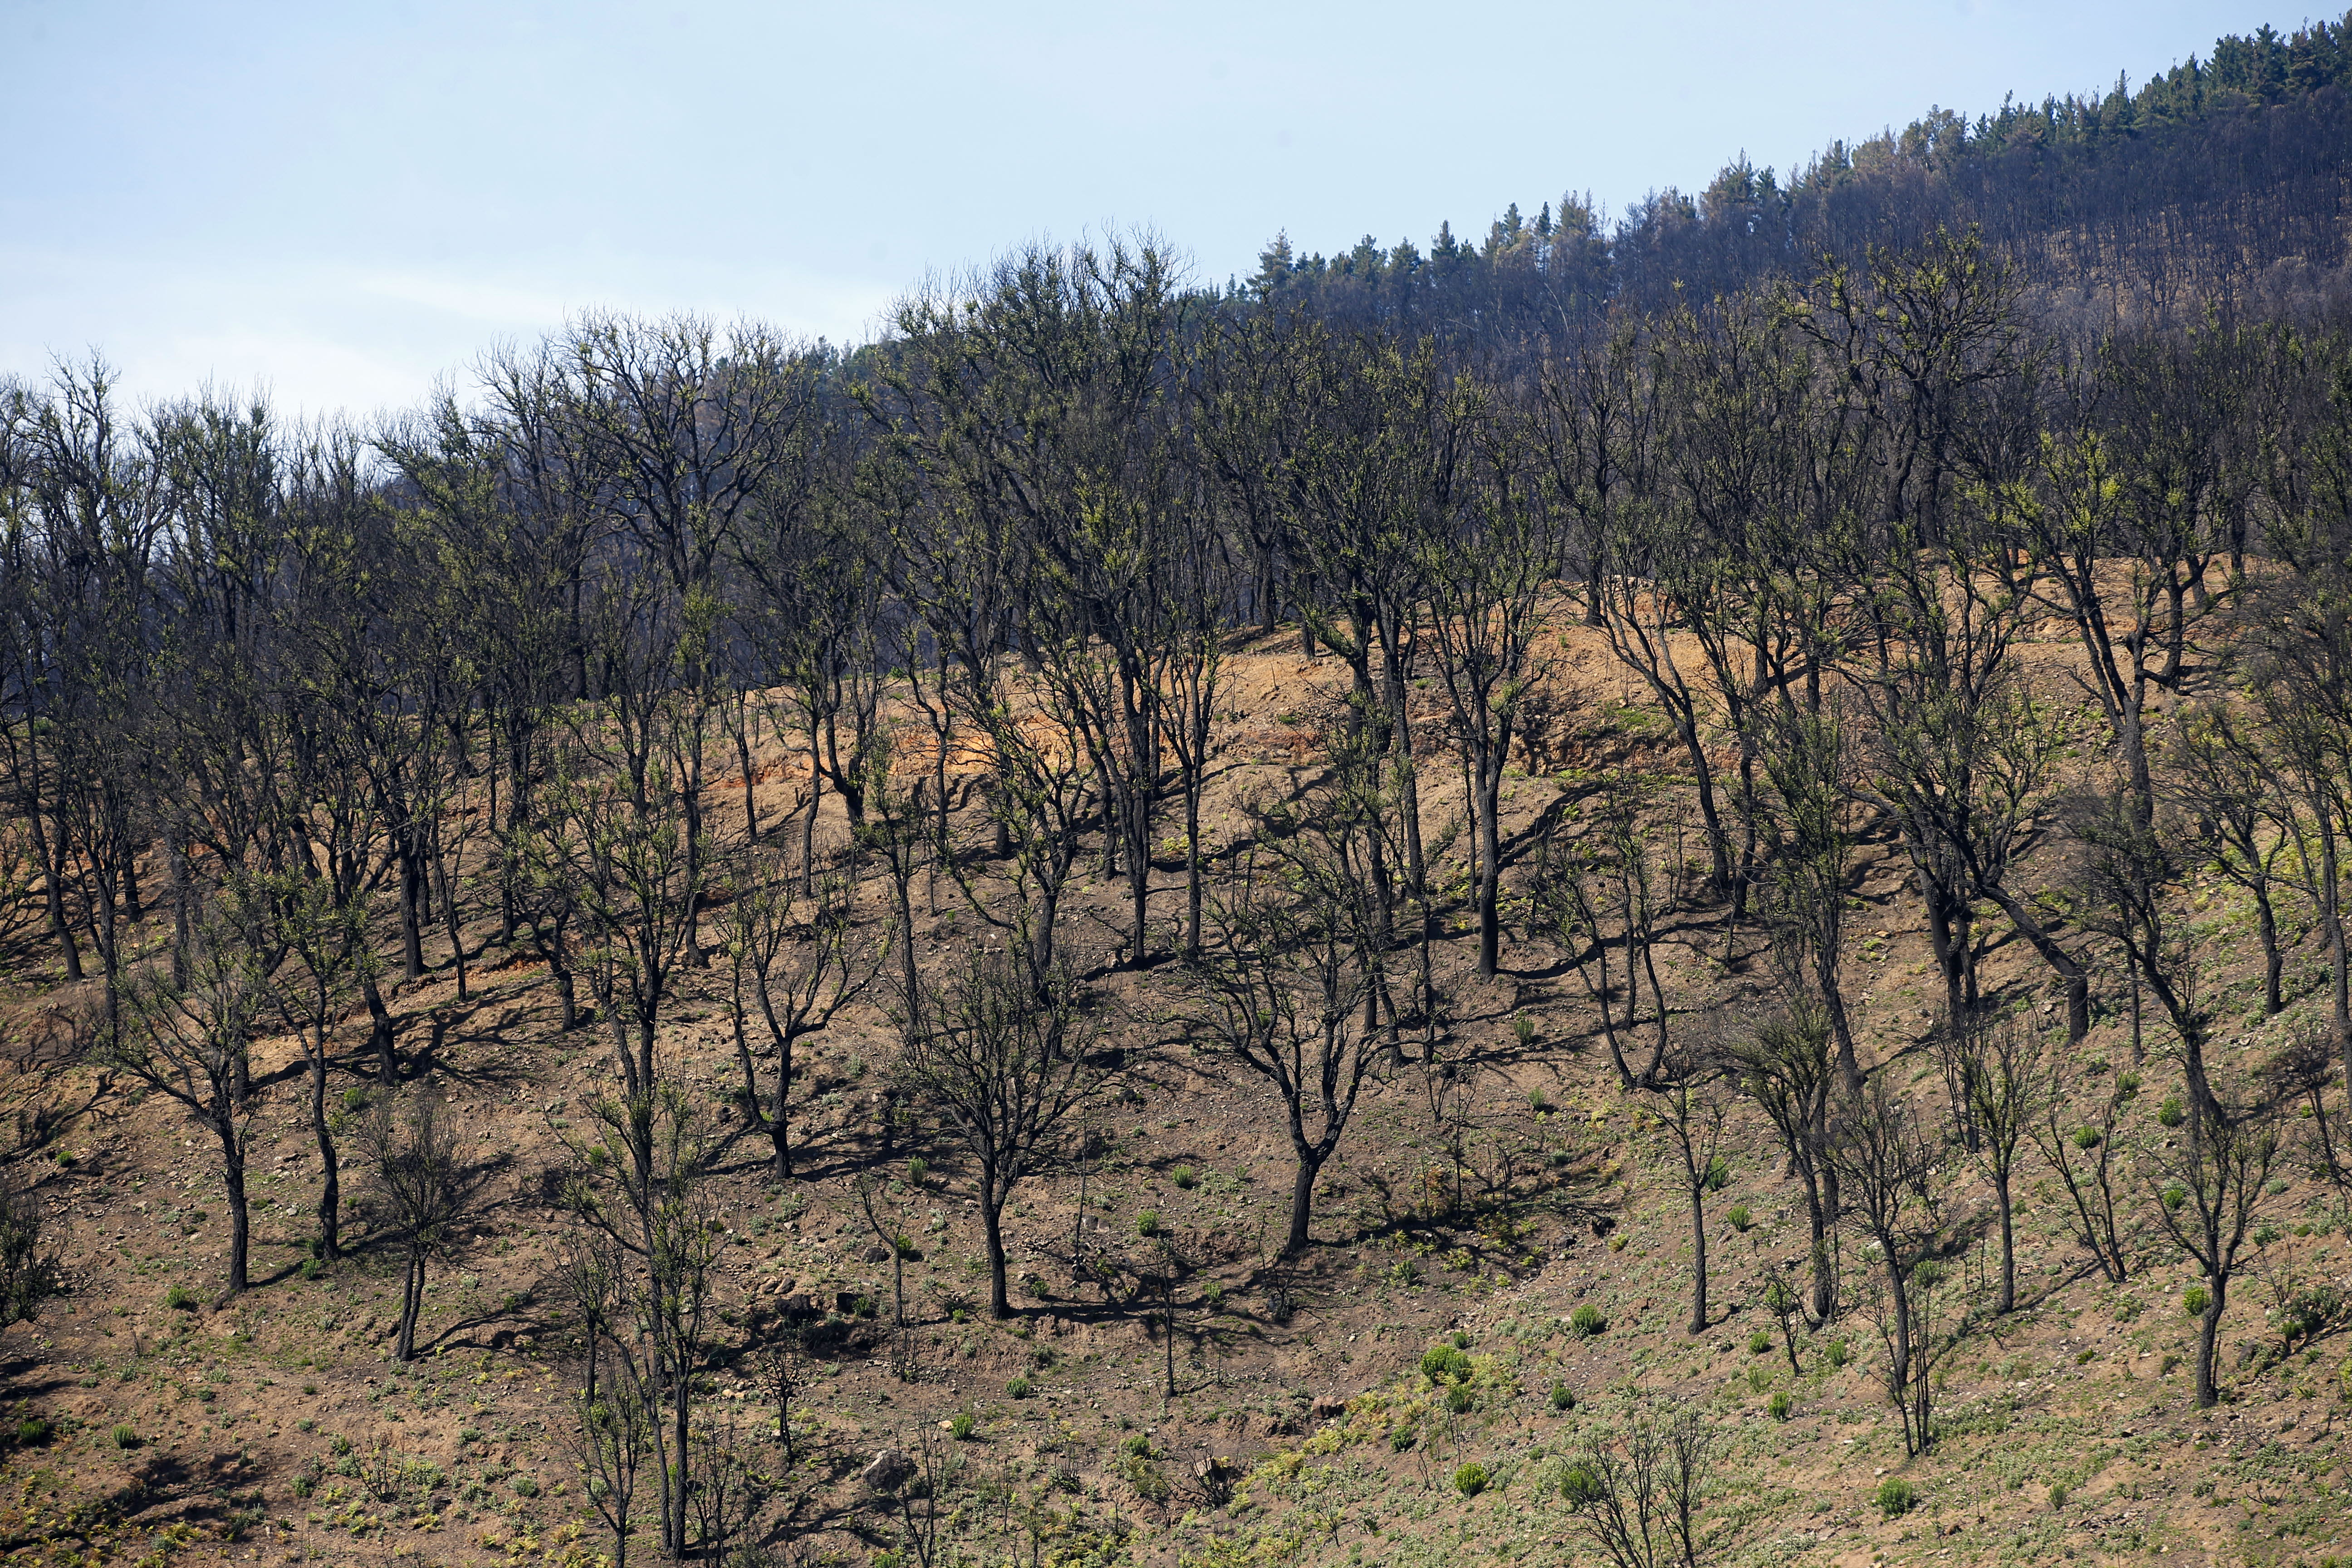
[2209, 1335]
[1302, 1202]
[1490, 870]
[330, 1181]
[1698, 1257]
[412, 894]
[2006, 1300]
[992, 1225]
[2266, 920]
[240, 1224]
[411, 1301]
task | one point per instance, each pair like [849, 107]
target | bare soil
[275, 1428]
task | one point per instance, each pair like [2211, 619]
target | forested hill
[2224, 178]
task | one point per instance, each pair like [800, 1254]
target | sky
[341, 204]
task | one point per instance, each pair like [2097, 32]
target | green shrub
[2058, 1495]
[917, 1169]
[1137, 1445]
[1739, 1217]
[1841, 1352]
[1213, 1295]
[1403, 1438]
[1148, 1223]
[1778, 1404]
[1759, 1376]
[1470, 1479]
[1458, 1340]
[1719, 1173]
[1185, 1177]
[33, 1431]
[524, 1487]
[305, 1484]
[2087, 1138]
[2194, 1299]
[961, 1425]
[1896, 1496]
[1563, 1399]
[2174, 1196]
[1443, 1363]
[339, 1443]
[1580, 1485]
[311, 1268]
[126, 1436]
[1460, 1400]
[1018, 1388]
[1587, 1321]
[2172, 1112]
[180, 1299]
[1144, 1476]
[1759, 1343]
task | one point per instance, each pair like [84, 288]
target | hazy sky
[343, 201]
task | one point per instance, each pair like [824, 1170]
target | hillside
[2223, 179]
[1303, 1426]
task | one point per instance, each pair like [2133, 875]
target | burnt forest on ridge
[1651, 891]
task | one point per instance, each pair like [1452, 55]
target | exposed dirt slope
[276, 1427]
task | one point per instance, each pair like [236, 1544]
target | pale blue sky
[345, 201]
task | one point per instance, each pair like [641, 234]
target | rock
[1328, 1407]
[887, 1472]
[875, 1253]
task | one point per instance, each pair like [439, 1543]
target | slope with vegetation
[1121, 929]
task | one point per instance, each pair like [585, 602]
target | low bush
[1443, 1363]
